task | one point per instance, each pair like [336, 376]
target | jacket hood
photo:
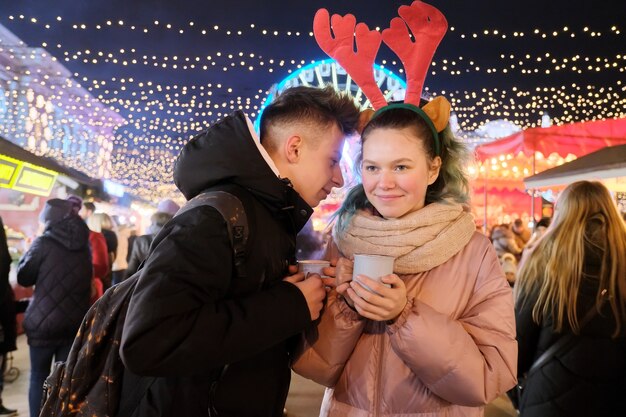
[55, 210]
[226, 153]
[71, 232]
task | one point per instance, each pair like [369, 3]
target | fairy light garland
[149, 120]
[252, 28]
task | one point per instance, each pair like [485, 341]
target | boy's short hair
[319, 106]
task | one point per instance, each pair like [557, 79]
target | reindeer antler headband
[428, 26]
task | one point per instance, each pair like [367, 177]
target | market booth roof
[504, 163]
[574, 138]
[607, 163]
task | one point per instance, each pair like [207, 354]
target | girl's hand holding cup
[379, 300]
[377, 293]
[343, 277]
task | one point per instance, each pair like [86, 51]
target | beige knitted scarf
[419, 241]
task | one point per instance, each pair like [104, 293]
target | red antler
[428, 26]
[357, 64]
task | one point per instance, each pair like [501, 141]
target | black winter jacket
[589, 379]
[190, 316]
[58, 263]
[139, 252]
[8, 332]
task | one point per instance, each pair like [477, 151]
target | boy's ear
[293, 148]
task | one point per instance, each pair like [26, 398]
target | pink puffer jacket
[451, 351]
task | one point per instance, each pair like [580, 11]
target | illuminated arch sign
[328, 72]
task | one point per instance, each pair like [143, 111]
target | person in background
[577, 268]
[504, 241]
[437, 336]
[131, 242]
[8, 331]
[521, 233]
[168, 206]
[102, 223]
[540, 230]
[165, 211]
[88, 208]
[97, 246]
[122, 232]
[509, 267]
[58, 264]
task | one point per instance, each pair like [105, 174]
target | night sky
[246, 84]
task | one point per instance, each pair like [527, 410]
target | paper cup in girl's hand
[312, 266]
[373, 266]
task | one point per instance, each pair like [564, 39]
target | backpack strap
[232, 210]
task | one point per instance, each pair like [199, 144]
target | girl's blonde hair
[98, 221]
[586, 223]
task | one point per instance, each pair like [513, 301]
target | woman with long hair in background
[577, 269]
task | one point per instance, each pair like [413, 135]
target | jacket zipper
[377, 394]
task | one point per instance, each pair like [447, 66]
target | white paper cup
[312, 266]
[372, 266]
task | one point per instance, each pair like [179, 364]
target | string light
[133, 127]
[180, 29]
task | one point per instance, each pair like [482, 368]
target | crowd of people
[512, 240]
[70, 264]
[440, 335]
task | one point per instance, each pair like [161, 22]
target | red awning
[574, 138]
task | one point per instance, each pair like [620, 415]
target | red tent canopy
[573, 138]
[504, 163]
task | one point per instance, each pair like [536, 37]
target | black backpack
[89, 383]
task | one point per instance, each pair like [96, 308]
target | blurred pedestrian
[142, 243]
[98, 249]
[521, 233]
[8, 331]
[120, 264]
[503, 241]
[509, 267]
[102, 223]
[540, 230]
[58, 264]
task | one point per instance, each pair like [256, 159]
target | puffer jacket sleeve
[28, 267]
[467, 361]
[325, 348]
[180, 320]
